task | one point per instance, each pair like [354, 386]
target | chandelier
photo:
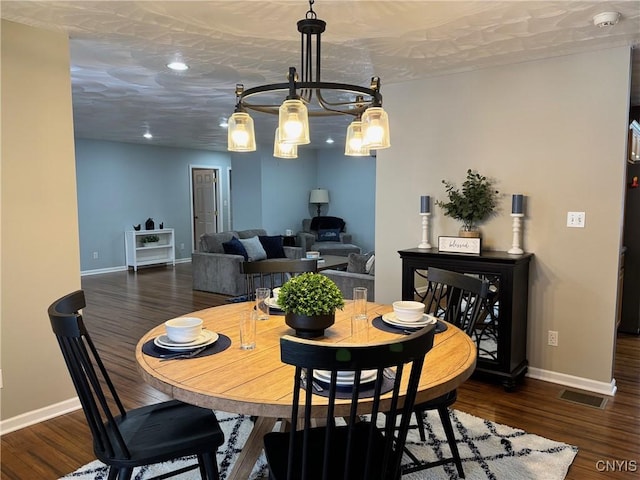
[308, 96]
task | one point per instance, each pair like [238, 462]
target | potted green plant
[149, 240]
[473, 204]
[309, 301]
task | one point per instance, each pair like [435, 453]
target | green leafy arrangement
[150, 238]
[476, 202]
[310, 294]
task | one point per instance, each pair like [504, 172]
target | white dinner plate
[271, 303]
[207, 337]
[345, 378]
[391, 319]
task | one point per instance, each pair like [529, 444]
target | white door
[205, 206]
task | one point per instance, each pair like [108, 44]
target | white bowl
[183, 329]
[408, 311]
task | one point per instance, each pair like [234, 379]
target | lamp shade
[284, 150]
[319, 195]
[293, 122]
[375, 128]
[353, 146]
[241, 136]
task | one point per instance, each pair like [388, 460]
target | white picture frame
[471, 246]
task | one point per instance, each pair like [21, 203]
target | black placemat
[366, 390]
[220, 345]
[385, 327]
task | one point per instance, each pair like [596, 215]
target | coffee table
[333, 262]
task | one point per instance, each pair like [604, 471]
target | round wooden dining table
[256, 382]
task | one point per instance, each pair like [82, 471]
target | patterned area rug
[489, 451]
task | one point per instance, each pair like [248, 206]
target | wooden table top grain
[256, 382]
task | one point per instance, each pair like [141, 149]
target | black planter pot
[309, 327]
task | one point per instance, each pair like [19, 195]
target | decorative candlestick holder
[517, 228]
[425, 231]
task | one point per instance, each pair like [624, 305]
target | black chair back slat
[111, 425]
[82, 360]
[357, 450]
[455, 298]
[460, 300]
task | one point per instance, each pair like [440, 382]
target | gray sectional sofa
[219, 272]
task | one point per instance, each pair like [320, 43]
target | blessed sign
[459, 245]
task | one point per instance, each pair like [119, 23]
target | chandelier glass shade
[305, 95]
[293, 123]
[284, 150]
[354, 144]
[241, 136]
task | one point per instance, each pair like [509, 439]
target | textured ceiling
[119, 52]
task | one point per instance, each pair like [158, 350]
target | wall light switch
[575, 219]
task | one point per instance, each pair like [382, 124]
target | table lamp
[319, 196]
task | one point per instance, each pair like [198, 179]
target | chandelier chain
[310, 12]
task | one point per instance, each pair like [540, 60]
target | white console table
[139, 254]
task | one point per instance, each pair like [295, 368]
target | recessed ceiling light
[178, 66]
[148, 136]
[329, 140]
[223, 123]
[606, 19]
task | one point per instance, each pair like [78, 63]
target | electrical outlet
[182, 246]
[575, 219]
[95, 255]
[553, 338]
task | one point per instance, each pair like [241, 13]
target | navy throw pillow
[272, 245]
[329, 235]
[234, 247]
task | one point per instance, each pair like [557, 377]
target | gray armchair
[326, 235]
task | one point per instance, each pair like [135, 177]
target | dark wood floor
[123, 306]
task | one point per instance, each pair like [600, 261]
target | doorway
[205, 199]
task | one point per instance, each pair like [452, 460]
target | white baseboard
[40, 415]
[122, 268]
[580, 383]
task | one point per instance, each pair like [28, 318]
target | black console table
[502, 334]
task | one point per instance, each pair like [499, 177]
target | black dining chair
[460, 300]
[273, 273]
[357, 450]
[142, 436]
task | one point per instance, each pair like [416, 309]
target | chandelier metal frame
[307, 84]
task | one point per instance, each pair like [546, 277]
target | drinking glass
[262, 294]
[359, 321]
[360, 302]
[248, 330]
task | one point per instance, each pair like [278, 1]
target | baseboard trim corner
[40, 415]
[580, 383]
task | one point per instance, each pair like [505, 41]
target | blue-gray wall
[274, 192]
[351, 182]
[121, 185]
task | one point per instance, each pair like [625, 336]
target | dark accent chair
[326, 235]
[458, 299]
[142, 436]
[358, 450]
